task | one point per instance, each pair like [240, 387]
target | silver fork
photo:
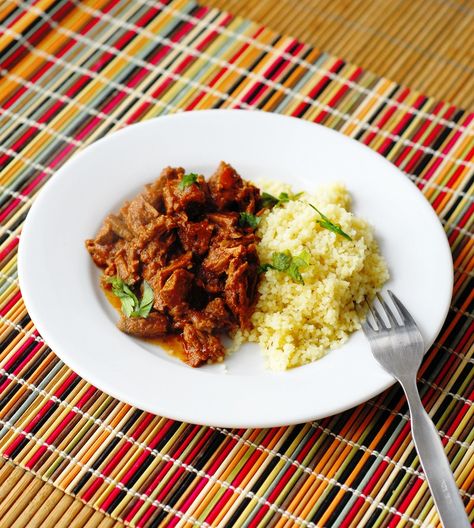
[398, 347]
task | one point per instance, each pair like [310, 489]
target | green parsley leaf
[128, 306]
[146, 303]
[131, 306]
[248, 219]
[288, 264]
[281, 261]
[271, 201]
[268, 200]
[262, 268]
[294, 273]
[327, 224]
[187, 180]
[302, 259]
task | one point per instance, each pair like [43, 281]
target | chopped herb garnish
[131, 306]
[281, 261]
[288, 264]
[327, 224]
[187, 180]
[262, 268]
[271, 201]
[248, 219]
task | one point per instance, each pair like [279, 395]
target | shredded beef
[185, 239]
[155, 325]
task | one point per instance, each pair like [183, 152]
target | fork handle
[434, 462]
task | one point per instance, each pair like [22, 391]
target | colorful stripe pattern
[74, 71]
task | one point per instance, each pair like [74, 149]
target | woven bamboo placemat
[424, 44]
[76, 71]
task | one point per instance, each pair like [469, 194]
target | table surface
[424, 44]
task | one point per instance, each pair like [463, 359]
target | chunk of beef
[191, 199]
[154, 243]
[212, 273]
[240, 289]
[226, 221]
[127, 263]
[175, 290]
[201, 347]
[155, 325]
[224, 186]
[102, 248]
[228, 233]
[214, 317]
[230, 192]
[154, 194]
[119, 226]
[100, 254]
[195, 236]
[157, 279]
[190, 248]
[138, 214]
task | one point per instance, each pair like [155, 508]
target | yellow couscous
[298, 323]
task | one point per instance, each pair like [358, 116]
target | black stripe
[287, 75]
[376, 114]
[320, 91]
[438, 141]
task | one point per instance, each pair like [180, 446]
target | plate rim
[93, 379]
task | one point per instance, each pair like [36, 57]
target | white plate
[60, 283]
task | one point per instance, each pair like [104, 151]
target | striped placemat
[74, 71]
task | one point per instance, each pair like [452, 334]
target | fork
[398, 348]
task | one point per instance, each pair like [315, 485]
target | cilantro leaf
[295, 273]
[330, 226]
[268, 200]
[288, 264]
[146, 303]
[302, 259]
[271, 201]
[187, 180]
[262, 268]
[127, 305]
[131, 306]
[248, 219]
[281, 261]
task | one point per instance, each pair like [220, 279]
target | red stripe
[37, 36]
[418, 134]
[401, 437]
[255, 92]
[395, 521]
[401, 124]
[3, 215]
[459, 172]
[427, 141]
[168, 80]
[22, 14]
[448, 147]
[6, 382]
[171, 482]
[385, 117]
[319, 86]
[63, 425]
[262, 511]
[358, 503]
[39, 416]
[339, 95]
[79, 84]
[89, 492]
[17, 296]
[219, 506]
[28, 342]
[224, 70]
